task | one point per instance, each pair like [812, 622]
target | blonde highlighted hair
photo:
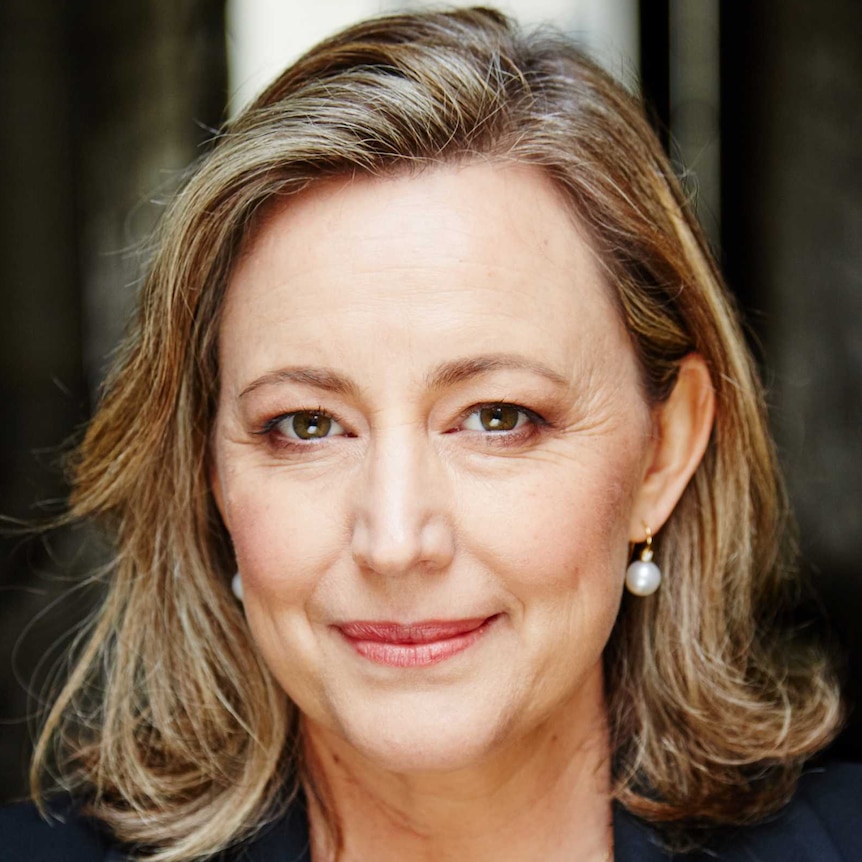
[170, 728]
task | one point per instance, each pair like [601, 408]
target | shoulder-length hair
[170, 727]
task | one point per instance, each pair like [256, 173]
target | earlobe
[682, 428]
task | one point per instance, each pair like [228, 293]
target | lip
[414, 644]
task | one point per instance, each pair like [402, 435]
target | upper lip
[427, 631]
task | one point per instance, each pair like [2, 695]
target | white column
[264, 36]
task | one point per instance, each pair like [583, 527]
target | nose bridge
[401, 520]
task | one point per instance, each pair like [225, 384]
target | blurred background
[105, 103]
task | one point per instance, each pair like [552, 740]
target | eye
[497, 418]
[308, 425]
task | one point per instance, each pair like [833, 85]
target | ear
[681, 427]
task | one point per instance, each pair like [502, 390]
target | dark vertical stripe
[654, 23]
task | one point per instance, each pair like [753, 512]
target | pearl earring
[643, 576]
[236, 585]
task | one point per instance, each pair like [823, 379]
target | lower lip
[394, 654]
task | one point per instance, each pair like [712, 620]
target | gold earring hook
[646, 553]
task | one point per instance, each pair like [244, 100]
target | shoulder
[829, 802]
[26, 834]
[283, 839]
[820, 824]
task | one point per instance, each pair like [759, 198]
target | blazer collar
[634, 840]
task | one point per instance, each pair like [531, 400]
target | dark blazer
[823, 823]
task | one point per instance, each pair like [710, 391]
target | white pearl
[236, 585]
[643, 578]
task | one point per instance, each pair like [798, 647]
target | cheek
[283, 539]
[564, 529]
[284, 546]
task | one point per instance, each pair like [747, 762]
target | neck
[545, 796]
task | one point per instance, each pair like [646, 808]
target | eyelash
[277, 440]
[517, 436]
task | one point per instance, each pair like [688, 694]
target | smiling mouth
[416, 644]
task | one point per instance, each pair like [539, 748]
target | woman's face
[429, 448]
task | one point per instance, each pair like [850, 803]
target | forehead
[478, 257]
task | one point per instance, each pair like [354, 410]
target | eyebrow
[446, 374]
[318, 378]
[451, 373]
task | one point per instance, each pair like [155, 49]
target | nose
[402, 520]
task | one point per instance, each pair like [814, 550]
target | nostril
[430, 546]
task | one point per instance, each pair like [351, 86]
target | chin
[404, 754]
[429, 738]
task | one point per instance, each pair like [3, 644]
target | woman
[432, 359]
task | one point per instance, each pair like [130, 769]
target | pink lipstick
[415, 644]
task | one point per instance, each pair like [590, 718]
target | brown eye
[496, 417]
[502, 417]
[309, 425]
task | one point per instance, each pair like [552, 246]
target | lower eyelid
[525, 435]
